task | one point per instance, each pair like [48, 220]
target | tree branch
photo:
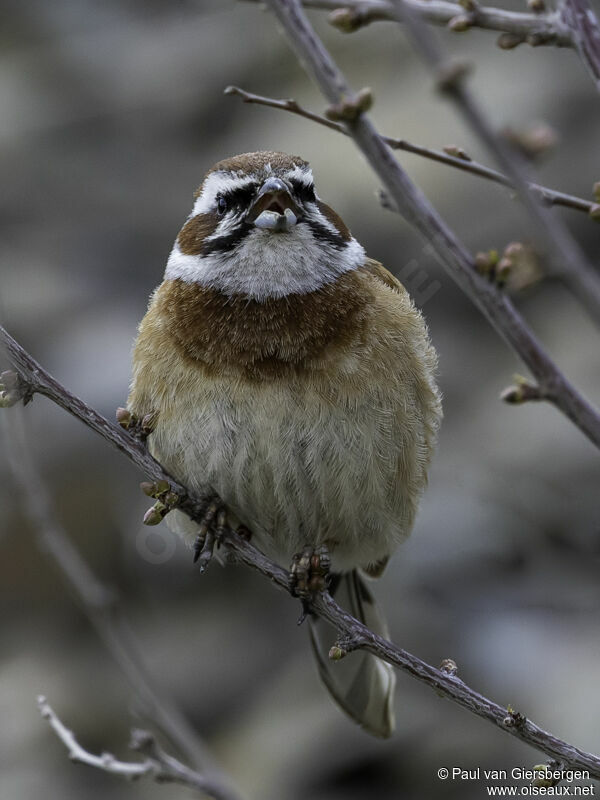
[33, 379]
[535, 29]
[562, 251]
[585, 34]
[100, 604]
[550, 196]
[158, 765]
[417, 210]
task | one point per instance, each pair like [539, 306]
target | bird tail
[361, 684]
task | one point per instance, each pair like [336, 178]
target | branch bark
[585, 34]
[34, 379]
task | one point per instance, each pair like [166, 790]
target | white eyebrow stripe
[216, 183]
[302, 174]
[221, 182]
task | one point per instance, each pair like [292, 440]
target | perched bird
[291, 374]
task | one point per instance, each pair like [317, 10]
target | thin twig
[158, 765]
[563, 253]
[418, 211]
[37, 380]
[550, 196]
[99, 603]
[536, 29]
[566, 259]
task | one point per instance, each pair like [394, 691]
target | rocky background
[111, 111]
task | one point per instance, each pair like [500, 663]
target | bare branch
[564, 255]
[99, 603]
[549, 196]
[158, 765]
[585, 33]
[535, 29]
[348, 628]
[417, 210]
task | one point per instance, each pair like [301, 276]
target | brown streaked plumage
[257, 340]
[312, 410]
[252, 163]
[335, 220]
[195, 231]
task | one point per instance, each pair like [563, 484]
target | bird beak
[274, 208]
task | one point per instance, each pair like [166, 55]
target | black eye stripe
[239, 197]
[229, 242]
[303, 192]
[323, 234]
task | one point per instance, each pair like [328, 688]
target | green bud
[124, 417]
[345, 20]
[336, 653]
[155, 514]
[594, 211]
[457, 152]
[508, 41]
[460, 23]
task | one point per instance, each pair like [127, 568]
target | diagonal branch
[585, 33]
[157, 764]
[562, 251]
[418, 211]
[34, 379]
[550, 196]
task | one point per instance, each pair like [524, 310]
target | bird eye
[221, 205]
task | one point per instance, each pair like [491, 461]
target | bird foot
[210, 534]
[310, 572]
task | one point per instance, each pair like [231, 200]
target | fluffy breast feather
[324, 438]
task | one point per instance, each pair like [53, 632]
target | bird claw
[309, 574]
[212, 529]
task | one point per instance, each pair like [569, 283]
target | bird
[288, 372]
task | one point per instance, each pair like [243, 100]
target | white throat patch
[265, 263]
[268, 264]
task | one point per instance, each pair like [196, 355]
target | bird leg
[310, 572]
[210, 534]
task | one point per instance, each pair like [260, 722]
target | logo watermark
[542, 780]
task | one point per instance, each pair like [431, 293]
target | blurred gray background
[111, 111]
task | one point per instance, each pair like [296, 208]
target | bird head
[259, 229]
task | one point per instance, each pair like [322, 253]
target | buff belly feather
[293, 467]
